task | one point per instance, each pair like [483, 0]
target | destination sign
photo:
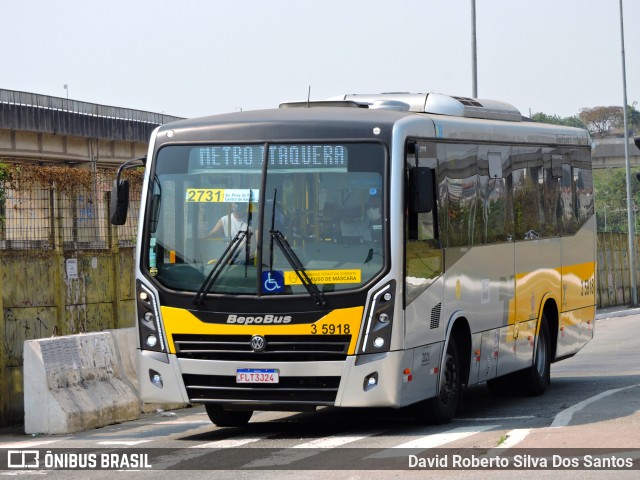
[250, 157]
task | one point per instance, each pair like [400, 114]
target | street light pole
[630, 210]
[474, 55]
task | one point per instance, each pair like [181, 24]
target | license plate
[257, 375]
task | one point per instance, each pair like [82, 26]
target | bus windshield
[218, 221]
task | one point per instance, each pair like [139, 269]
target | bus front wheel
[227, 418]
[442, 408]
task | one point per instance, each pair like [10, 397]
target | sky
[193, 58]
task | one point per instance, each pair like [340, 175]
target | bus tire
[222, 417]
[442, 408]
[535, 379]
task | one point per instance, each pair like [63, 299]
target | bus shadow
[479, 405]
[562, 393]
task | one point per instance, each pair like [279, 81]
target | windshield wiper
[292, 258]
[228, 255]
[296, 264]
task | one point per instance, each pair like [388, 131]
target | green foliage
[572, 121]
[611, 198]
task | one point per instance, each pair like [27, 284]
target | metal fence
[46, 208]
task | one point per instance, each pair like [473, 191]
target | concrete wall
[80, 382]
[39, 300]
[75, 383]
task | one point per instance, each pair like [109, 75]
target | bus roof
[360, 117]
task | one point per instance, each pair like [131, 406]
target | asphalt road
[593, 403]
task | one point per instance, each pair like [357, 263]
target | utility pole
[630, 206]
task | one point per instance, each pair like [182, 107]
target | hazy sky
[193, 58]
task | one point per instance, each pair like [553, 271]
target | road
[592, 403]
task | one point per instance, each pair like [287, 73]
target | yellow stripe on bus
[571, 286]
[343, 321]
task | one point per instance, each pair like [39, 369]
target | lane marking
[310, 449]
[433, 440]
[235, 442]
[184, 422]
[563, 418]
[126, 443]
[27, 443]
[335, 440]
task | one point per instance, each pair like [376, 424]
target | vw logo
[258, 343]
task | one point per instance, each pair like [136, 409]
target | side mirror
[421, 189]
[636, 140]
[119, 202]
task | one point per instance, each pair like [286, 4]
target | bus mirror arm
[119, 203]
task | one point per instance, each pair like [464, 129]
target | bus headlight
[379, 320]
[149, 327]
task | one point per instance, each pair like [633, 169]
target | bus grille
[280, 348]
[294, 390]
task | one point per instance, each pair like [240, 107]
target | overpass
[609, 153]
[49, 130]
[54, 130]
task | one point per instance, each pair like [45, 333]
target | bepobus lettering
[259, 320]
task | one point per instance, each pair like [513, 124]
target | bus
[382, 250]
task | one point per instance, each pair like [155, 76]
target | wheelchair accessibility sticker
[272, 281]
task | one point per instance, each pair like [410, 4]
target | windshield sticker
[324, 276]
[222, 195]
[272, 281]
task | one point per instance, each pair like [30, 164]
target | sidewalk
[612, 312]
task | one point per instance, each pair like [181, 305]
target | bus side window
[423, 256]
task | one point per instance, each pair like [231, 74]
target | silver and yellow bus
[367, 251]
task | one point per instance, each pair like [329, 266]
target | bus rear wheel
[535, 379]
[442, 408]
[227, 418]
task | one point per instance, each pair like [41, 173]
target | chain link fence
[47, 208]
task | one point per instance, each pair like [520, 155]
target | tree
[573, 121]
[633, 118]
[600, 120]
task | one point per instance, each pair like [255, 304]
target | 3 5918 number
[331, 329]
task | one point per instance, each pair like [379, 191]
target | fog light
[387, 296]
[156, 378]
[378, 342]
[152, 341]
[148, 317]
[144, 296]
[383, 318]
[370, 381]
